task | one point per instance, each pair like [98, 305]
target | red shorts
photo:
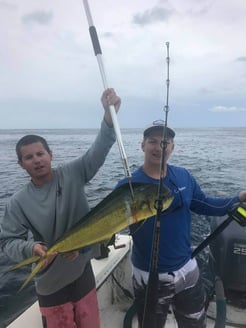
[74, 304]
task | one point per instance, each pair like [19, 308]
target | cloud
[48, 47]
[5, 5]
[38, 17]
[225, 109]
[154, 15]
[241, 59]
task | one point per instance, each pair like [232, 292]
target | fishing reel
[238, 213]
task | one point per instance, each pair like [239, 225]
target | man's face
[36, 160]
[152, 147]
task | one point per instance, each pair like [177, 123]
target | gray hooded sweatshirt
[51, 210]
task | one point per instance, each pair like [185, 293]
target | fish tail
[33, 273]
[30, 260]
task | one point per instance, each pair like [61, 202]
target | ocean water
[216, 157]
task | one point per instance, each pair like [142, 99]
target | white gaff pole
[98, 54]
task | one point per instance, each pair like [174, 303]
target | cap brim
[170, 132]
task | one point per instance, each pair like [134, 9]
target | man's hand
[242, 198]
[110, 98]
[41, 250]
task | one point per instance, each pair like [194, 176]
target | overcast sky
[49, 75]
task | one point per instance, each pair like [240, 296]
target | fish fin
[33, 273]
[30, 260]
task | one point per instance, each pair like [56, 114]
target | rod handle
[95, 41]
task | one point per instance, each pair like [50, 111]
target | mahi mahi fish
[114, 213]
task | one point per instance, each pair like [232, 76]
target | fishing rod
[151, 295]
[236, 213]
[98, 54]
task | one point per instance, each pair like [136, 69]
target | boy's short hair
[27, 140]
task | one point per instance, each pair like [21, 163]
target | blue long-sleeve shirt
[175, 222]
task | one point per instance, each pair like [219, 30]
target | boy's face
[152, 147]
[36, 160]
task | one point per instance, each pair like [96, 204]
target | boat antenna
[151, 295]
[98, 54]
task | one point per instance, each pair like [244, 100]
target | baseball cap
[158, 125]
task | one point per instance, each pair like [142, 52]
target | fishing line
[151, 295]
[210, 205]
[98, 54]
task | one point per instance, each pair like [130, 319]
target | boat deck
[113, 304]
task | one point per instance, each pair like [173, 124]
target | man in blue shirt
[179, 279]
